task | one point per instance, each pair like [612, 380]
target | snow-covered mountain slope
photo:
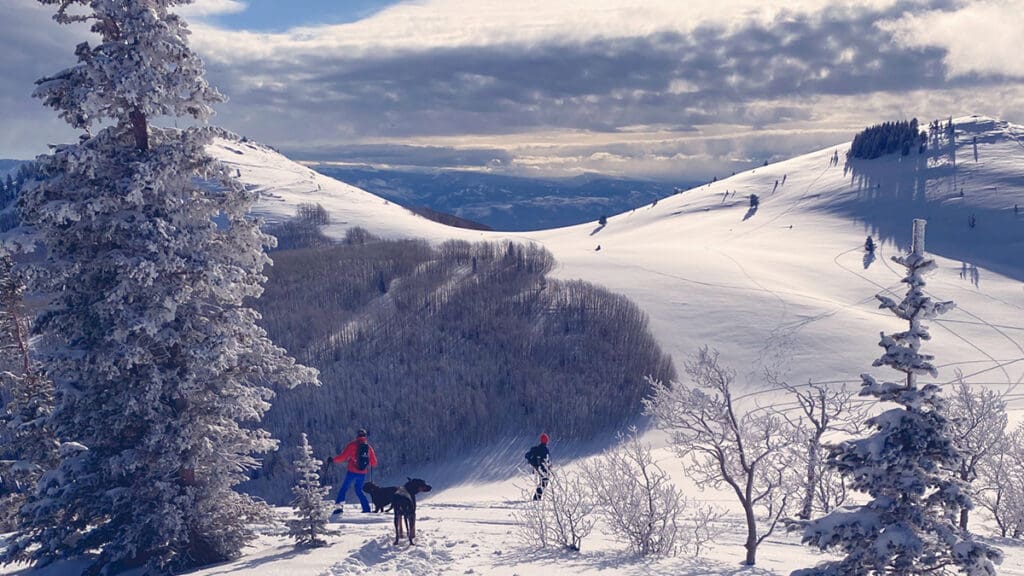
[785, 286]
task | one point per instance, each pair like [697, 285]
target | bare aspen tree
[1000, 488]
[823, 410]
[979, 428]
[725, 445]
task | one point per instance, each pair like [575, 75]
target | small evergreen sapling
[907, 466]
[312, 510]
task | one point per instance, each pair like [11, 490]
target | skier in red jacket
[361, 458]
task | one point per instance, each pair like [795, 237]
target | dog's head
[370, 487]
[416, 485]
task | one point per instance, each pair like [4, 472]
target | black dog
[404, 505]
[381, 495]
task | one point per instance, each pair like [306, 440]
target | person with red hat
[361, 459]
[538, 458]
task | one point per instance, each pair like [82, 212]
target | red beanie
[543, 438]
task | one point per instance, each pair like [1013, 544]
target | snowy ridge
[284, 184]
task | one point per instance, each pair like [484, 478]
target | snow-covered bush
[312, 509]
[161, 371]
[562, 518]
[704, 525]
[724, 445]
[907, 466]
[638, 503]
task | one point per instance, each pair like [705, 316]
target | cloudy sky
[666, 89]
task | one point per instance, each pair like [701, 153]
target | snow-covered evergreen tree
[161, 372]
[29, 445]
[312, 509]
[907, 466]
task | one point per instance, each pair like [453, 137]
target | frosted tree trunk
[810, 479]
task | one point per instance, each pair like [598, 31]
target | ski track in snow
[788, 209]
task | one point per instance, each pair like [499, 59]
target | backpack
[535, 457]
[363, 456]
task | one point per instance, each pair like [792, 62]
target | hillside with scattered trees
[437, 349]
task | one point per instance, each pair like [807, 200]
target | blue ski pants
[358, 479]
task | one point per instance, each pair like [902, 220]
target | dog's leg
[398, 528]
[412, 527]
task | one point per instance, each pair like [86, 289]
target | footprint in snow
[427, 558]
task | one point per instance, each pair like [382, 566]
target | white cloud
[634, 87]
[456, 23]
[982, 37]
[203, 8]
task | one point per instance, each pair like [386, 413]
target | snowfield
[786, 286]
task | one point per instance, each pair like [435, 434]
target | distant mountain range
[506, 202]
[496, 202]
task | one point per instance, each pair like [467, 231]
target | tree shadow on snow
[893, 190]
[625, 564]
[869, 258]
[233, 566]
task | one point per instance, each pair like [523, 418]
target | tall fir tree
[161, 372]
[907, 466]
[312, 509]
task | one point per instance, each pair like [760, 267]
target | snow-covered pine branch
[161, 372]
[907, 466]
[312, 508]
